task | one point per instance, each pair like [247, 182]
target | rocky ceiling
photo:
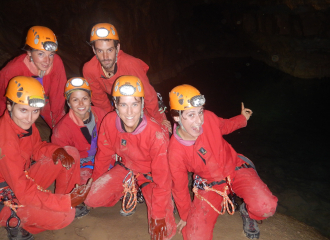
[291, 35]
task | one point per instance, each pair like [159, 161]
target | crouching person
[80, 127]
[29, 166]
[142, 145]
[197, 146]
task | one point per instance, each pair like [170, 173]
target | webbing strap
[3, 184]
[147, 176]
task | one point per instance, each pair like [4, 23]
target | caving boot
[250, 225]
[81, 211]
[18, 233]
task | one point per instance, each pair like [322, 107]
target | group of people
[114, 142]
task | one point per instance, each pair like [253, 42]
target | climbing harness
[229, 202]
[131, 194]
[7, 197]
[202, 184]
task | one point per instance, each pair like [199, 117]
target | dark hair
[175, 113]
[27, 48]
[115, 42]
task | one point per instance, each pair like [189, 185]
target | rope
[225, 202]
[130, 193]
[12, 205]
[38, 187]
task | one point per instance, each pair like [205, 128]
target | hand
[79, 193]
[247, 113]
[181, 225]
[167, 124]
[158, 229]
[66, 160]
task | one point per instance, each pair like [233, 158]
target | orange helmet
[26, 91]
[41, 38]
[185, 97]
[103, 31]
[128, 86]
[76, 83]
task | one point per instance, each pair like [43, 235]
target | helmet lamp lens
[36, 101]
[102, 32]
[50, 46]
[77, 82]
[197, 101]
[127, 90]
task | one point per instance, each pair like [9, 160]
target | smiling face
[23, 115]
[192, 121]
[106, 53]
[129, 110]
[42, 59]
[80, 103]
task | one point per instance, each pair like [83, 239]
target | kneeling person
[197, 146]
[29, 166]
[80, 127]
[142, 146]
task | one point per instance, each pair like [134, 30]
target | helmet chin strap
[180, 123]
[116, 56]
[142, 99]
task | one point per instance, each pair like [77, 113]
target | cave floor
[107, 224]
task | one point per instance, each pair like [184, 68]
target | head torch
[127, 90]
[102, 32]
[50, 46]
[78, 82]
[197, 101]
[36, 101]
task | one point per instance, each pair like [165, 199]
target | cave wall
[291, 35]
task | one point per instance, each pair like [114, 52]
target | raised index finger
[242, 106]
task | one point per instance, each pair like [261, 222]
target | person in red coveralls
[197, 146]
[29, 166]
[42, 62]
[142, 145]
[109, 63]
[79, 128]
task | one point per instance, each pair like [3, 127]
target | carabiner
[13, 215]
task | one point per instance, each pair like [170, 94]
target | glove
[158, 229]
[79, 193]
[66, 160]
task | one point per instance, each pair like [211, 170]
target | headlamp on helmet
[36, 101]
[50, 46]
[128, 86]
[76, 83]
[27, 91]
[41, 38]
[184, 97]
[197, 101]
[127, 90]
[103, 31]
